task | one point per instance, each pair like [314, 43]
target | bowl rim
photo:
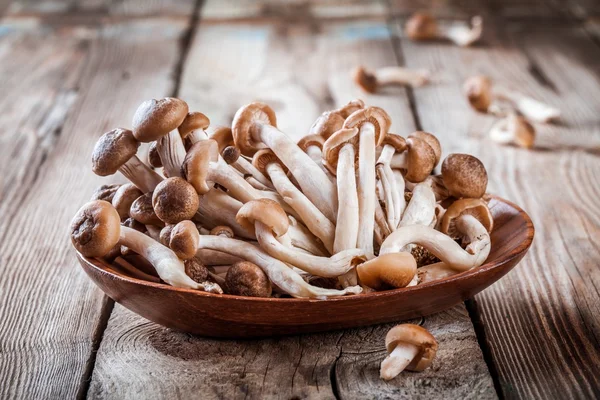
[517, 252]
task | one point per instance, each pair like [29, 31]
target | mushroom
[350, 107]
[464, 176]
[373, 124]
[418, 159]
[115, 151]
[313, 146]
[435, 272]
[437, 184]
[409, 347]
[423, 26]
[232, 156]
[254, 128]
[247, 279]
[266, 161]
[393, 195]
[328, 123]
[218, 208]
[373, 80]
[278, 272]
[193, 127]
[153, 156]
[158, 120]
[474, 207]
[105, 192]
[96, 229]
[513, 129]
[483, 95]
[196, 270]
[270, 222]
[175, 200]
[142, 211]
[124, 198]
[393, 270]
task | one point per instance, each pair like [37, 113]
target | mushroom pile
[245, 210]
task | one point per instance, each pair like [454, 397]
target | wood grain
[99, 8]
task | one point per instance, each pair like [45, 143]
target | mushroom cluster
[245, 210]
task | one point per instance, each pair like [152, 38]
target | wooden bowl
[239, 317]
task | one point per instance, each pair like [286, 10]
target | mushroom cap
[184, 240]
[421, 26]
[392, 270]
[311, 140]
[417, 336]
[374, 115]
[223, 136]
[431, 140]
[196, 164]
[156, 118]
[124, 198]
[326, 124]
[175, 200]
[478, 90]
[165, 234]
[95, 229]
[464, 176]
[193, 120]
[524, 132]
[247, 279]
[134, 224]
[475, 207]
[421, 160]
[333, 145]
[395, 140]
[112, 150]
[142, 210]
[153, 156]
[222, 230]
[262, 158]
[365, 79]
[350, 107]
[195, 270]
[231, 154]
[267, 211]
[245, 124]
[105, 192]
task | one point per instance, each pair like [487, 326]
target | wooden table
[71, 70]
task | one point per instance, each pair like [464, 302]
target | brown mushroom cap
[478, 90]
[247, 279]
[333, 145]
[262, 158]
[374, 115]
[196, 270]
[175, 200]
[193, 120]
[421, 160]
[475, 207]
[464, 176]
[395, 140]
[165, 234]
[421, 26]
[431, 140]
[156, 118]
[327, 124]
[349, 108]
[311, 140]
[222, 230]
[231, 154]
[105, 192]
[124, 198]
[365, 79]
[267, 211]
[223, 136]
[196, 164]
[112, 150]
[417, 336]
[246, 122]
[153, 156]
[142, 210]
[95, 229]
[393, 270]
[184, 240]
[134, 224]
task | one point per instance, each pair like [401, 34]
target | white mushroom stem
[328, 267]
[437, 185]
[256, 184]
[366, 187]
[443, 246]
[140, 174]
[313, 181]
[531, 109]
[212, 257]
[299, 236]
[312, 217]
[388, 181]
[197, 135]
[278, 272]
[316, 154]
[461, 33]
[401, 76]
[398, 360]
[172, 152]
[246, 168]
[400, 185]
[421, 207]
[381, 229]
[399, 160]
[169, 268]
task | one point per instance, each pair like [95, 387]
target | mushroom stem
[366, 187]
[316, 154]
[391, 194]
[232, 156]
[398, 360]
[197, 135]
[401, 76]
[461, 33]
[140, 174]
[172, 152]
[212, 257]
[532, 109]
[218, 208]
[278, 272]
[421, 208]
[256, 184]
[299, 236]
[400, 186]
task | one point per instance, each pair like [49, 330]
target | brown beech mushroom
[105, 192]
[394, 270]
[373, 80]
[418, 159]
[153, 157]
[96, 229]
[247, 279]
[124, 198]
[115, 151]
[193, 127]
[464, 176]
[432, 141]
[349, 108]
[409, 347]
[328, 123]
[158, 120]
[270, 222]
[232, 156]
[199, 273]
[254, 128]
[392, 188]
[373, 124]
[483, 95]
[142, 210]
[174, 200]
[460, 208]
[423, 26]
[513, 129]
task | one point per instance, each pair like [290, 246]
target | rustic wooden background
[71, 70]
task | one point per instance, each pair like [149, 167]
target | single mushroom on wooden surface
[158, 120]
[392, 188]
[254, 128]
[372, 81]
[422, 26]
[484, 95]
[393, 270]
[513, 129]
[116, 151]
[193, 127]
[174, 200]
[247, 279]
[124, 198]
[409, 347]
[464, 176]
[96, 229]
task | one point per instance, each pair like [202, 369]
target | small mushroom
[349, 108]
[153, 156]
[174, 200]
[183, 240]
[464, 176]
[193, 127]
[105, 192]
[222, 230]
[142, 210]
[474, 207]
[422, 26]
[393, 195]
[513, 129]
[124, 198]
[247, 279]
[232, 156]
[393, 270]
[328, 123]
[373, 80]
[409, 347]
[418, 159]
[313, 146]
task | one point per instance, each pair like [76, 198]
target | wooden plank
[540, 320]
[96, 8]
[301, 69]
[65, 87]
